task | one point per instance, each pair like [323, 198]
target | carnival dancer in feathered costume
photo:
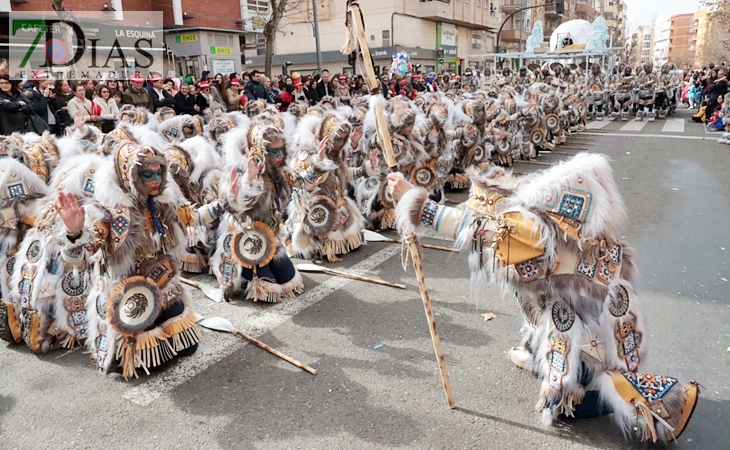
[250, 257]
[196, 168]
[554, 241]
[138, 310]
[371, 192]
[50, 291]
[322, 219]
[597, 86]
[623, 93]
[23, 177]
[646, 85]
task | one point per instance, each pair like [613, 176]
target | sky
[641, 11]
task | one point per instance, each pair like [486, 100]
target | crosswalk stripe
[596, 125]
[633, 126]
[673, 126]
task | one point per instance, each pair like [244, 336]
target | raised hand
[253, 167]
[356, 136]
[322, 149]
[70, 212]
[235, 187]
[374, 158]
[79, 120]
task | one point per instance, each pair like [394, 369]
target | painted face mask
[149, 176]
[275, 152]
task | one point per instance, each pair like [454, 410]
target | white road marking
[667, 136]
[146, 393]
[634, 126]
[674, 126]
[597, 125]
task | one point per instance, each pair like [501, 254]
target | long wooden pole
[362, 278]
[355, 23]
[276, 352]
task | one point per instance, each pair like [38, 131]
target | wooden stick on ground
[537, 163]
[307, 267]
[221, 324]
[276, 352]
[357, 39]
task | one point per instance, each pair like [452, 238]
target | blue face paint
[147, 176]
[275, 152]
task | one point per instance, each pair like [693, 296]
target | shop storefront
[447, 44]
[195, 50]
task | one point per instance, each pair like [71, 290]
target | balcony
[435, 10]
[585, 7]
[510, 6]
[551, 12]
[514, 35]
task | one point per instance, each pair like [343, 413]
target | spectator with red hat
[203, 99]
[300, 96]
[341, 90]
[136, 94]
[233, 95]
[41, 100]
[160, 97]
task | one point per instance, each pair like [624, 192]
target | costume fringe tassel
[182, 331]
[332, 249]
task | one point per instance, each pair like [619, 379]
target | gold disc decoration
[537, 136]
[134, 305]
[424, 176]
[552, 122]
[254, 247]
[321, 213]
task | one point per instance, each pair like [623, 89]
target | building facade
[642, 45]
[700, 25]
[436, 35]
[681, 37]
[662, 31]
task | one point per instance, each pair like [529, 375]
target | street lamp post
[497, 48]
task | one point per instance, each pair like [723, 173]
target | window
[260, 6]
[476, 40]
[479, 3]
[386, 38]
[647, 44]
[492, 10]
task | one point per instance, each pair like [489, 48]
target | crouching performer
[554, 240]
[138, 312]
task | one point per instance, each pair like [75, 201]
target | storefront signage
[183, 38]
[221, 50]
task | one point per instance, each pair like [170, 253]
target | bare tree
[716, 47]
[278, 7]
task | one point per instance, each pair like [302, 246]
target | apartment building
[587, 10]
[642, 45]
[700, 26]
[662, 31]
[681, 37]
[437, 35]
[615, 13]
[519, 27]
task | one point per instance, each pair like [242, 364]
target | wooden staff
[315, 268]
[356, 39]
[537, 163]
[221, 324]
[568, 147]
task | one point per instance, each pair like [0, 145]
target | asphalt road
[232, 395]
